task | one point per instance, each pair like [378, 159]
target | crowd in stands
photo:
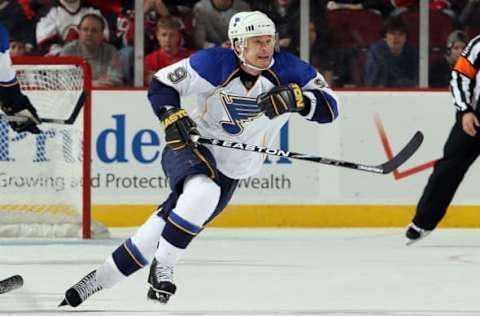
[354, 43]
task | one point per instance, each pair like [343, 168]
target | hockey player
[461, 149]
[244, 94]
[12, 100]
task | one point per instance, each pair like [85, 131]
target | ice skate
[415, 233]
[161, 283]
[78, 293]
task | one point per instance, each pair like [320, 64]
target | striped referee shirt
[465, 83]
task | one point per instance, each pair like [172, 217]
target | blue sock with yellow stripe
[128, 258]
[178, 231]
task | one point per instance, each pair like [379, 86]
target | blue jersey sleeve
[289, 68]
[7, 74]
[162, 96]
[214, 64]
[4, 40]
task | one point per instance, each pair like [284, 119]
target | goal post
[45, 178]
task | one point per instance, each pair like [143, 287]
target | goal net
[44, 178]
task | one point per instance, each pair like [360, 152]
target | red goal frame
[87, 124]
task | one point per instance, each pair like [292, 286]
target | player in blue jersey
[12, 100]
[244, 94]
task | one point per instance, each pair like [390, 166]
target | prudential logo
[114, 144]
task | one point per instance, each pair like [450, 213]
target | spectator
[102, 57]
[125, 32]
[210, 19]
[440, 71]
[169, 51]
[392, 62]
[153, 11]
[111, 10]
[18, 46]
[60, 25]
[183, 9]
[15, 21]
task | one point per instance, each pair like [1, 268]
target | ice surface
[334, 272]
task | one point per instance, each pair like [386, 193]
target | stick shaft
[386, 167]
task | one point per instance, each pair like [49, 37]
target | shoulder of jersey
[472, 48]
[476, 41]
[214, 64]
[289, 68]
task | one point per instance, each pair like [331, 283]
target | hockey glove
[281, 99]
[178, 128]
[17, 103]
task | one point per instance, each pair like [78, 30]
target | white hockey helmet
[248, 24]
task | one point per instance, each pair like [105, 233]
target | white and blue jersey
[7, 73]
[226, 105]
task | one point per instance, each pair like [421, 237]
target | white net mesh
[41, 176]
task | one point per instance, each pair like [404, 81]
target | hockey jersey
[465, 83]
[7, 73]
[226, 107]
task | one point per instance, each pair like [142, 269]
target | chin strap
[255, 67]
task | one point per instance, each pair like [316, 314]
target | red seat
[353, 29]
[441, 25]
[472, 31]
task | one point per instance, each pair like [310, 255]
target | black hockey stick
[69, 121]
[11, 283]
[383, 168]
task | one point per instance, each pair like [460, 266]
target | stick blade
[404, 154]
[11, 283]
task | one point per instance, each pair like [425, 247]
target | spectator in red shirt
[170, 50]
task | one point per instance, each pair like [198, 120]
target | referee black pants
[459, 153]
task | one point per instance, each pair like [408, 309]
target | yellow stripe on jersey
[213, 173]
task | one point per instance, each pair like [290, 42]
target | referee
[461, 149]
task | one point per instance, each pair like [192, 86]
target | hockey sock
[147, 236]
[133, 254]
[167, 254]
[194, 206]
[128, 259]
[108, 273]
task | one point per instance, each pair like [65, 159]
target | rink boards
[127, 180]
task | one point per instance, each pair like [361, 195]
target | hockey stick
[11, 283]
[70, 120]
[383, 168]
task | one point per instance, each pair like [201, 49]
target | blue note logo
[240, 110]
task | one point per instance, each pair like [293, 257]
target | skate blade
[412, 241]
[158, 296]
[63, 303]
